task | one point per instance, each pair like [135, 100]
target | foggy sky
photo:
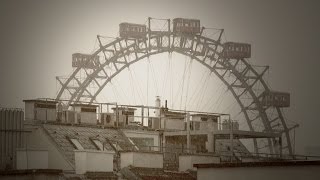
[38, 38]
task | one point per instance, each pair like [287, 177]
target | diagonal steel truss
[244, 81]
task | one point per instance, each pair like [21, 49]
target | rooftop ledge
[258, 164]
[94, 151]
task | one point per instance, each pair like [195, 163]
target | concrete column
[142, 115]
[211, 142]
[188, 132]
[163, 142]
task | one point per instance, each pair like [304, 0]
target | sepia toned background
[37, 39]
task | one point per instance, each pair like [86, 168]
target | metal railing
[224, 155]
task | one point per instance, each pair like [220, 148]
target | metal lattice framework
[241, 78]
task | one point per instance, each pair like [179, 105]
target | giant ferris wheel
[228, 61]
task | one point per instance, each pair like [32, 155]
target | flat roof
[84, 105]
[179, 18]
[173, 113]
[205, 115]
[125, 108]
[41, 100]
[258, 164]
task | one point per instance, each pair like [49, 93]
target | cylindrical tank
[157, 105]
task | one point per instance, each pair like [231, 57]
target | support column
[142, 115]
[231, 138]
[163, 143]
[211, 142]
[117, 115]
[280, 147]
[188, 132]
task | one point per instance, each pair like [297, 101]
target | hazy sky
[38, 38]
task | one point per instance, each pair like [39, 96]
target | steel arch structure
[238, 75]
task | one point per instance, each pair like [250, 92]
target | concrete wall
[38, 139]
[187, 161]
[155, 122]
[45, 114]
[141, 159]
[94, 161]
[126, 159]
[32, 159]
[176, 124]
[33, 113]
[88, 117]
[29, 110]
[68, 117]
[261, 173]
[83, 116]
[209, 125]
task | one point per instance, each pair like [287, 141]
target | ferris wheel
[229, 62]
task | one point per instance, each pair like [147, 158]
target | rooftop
[61, 135]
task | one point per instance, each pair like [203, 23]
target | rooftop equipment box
[85, 113]
[45, 110]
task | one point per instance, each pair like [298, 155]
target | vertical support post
[294, 141]
[1, 135]
[163, 142]
[100, 113]
[148, 116]
[188, 132]
[210, 138]
[280, 142]
[149, 32]
[160, 117]
[142, 115]
[14, 133]
[117, 115]
[231, 138]
[169, 31]
[46, 110]
[214, 143]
